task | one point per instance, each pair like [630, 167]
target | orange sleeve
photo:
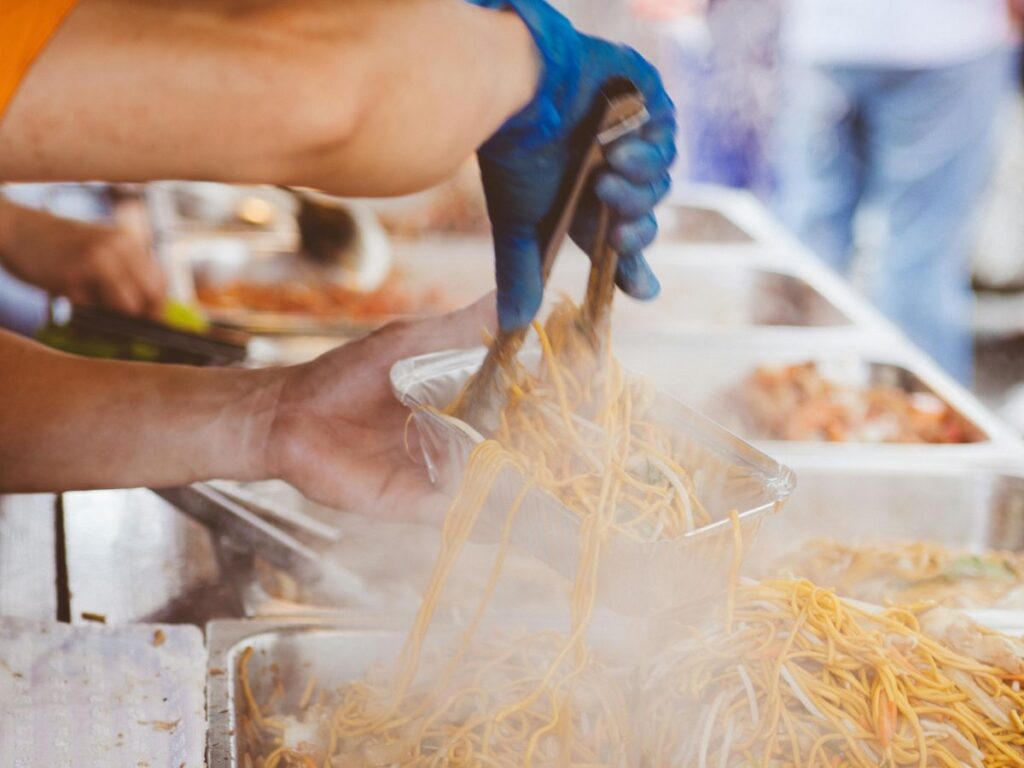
[25, 27]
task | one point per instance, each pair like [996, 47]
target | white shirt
[900, 33]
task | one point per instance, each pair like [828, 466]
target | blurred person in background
[998, 256]
[43, 255]
[889, 106]
[733, 96]
[719, 59]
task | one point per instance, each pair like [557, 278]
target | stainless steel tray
[701, 372]
[218, 262]
[337, 651]
[184, 208]
[702, 291]
[358, 575]
[947, 502]
[696, 223]
[699, 295]
[739, 209]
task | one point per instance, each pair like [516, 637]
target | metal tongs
[257, 525]
[618, 110]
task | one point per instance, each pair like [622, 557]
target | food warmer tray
[946, 502]
[725, 216]
[701, 223]
[701, 372]
[702, 292]
[341, 649]
[336, 650]
[184, 209]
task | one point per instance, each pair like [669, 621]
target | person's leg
[930, 149]
[819, 158]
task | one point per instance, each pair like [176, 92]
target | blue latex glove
[523, 164]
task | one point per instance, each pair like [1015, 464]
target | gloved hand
[522, 165]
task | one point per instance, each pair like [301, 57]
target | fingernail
[637, 278]
[606, 189]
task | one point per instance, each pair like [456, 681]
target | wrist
[212, 423]
[245, 419]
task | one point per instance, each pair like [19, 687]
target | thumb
[517, 264]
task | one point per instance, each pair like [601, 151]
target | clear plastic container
[634, 578]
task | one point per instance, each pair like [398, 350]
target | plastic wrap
[634, 578]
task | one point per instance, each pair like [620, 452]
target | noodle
[575, 428]
[810, 679]
[911, 571]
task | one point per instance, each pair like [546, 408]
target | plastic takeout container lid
[634, 578]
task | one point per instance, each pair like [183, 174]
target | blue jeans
[916, 147]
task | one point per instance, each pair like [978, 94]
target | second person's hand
[88, 263]
[522, 165]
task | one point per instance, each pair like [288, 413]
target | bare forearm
[73, 423]
[357, 97]
[18, 223]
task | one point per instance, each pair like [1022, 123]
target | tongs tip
[625, 126]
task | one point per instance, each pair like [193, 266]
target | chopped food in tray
[912, 571]
[321, 299]
[802, 402]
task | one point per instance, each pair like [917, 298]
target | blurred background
[888, 138]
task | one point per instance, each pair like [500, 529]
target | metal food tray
[702, 294]
[441, 284]
[703, 372]
[743, 217]
[352, 574]
[781, 288]
[946, 502]
[772, 244]
[697, 223]
[205, 209]
[357, 577]
[634, 578]
[701, 291]
[337, 651]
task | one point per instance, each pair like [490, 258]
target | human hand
[88, 263]
[522, 165]
[337, 432]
